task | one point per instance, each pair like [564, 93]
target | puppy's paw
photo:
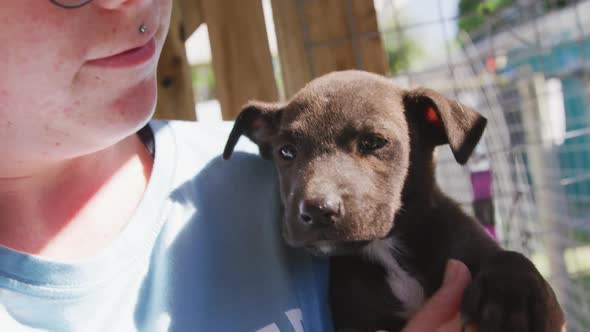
[510, 295]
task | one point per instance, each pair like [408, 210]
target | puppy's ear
[445, 121]
[259, 122]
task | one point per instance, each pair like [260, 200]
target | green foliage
[203, 81]
[582, 237]
[472, 13]
[401, 54]
[400, 48]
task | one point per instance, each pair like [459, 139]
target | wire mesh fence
[525, 66]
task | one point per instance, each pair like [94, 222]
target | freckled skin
[98, 106]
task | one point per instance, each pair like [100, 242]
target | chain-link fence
[525, 65]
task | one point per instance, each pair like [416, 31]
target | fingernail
[451, 271]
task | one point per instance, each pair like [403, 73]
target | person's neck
[74, 208]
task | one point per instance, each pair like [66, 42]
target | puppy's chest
[373, 291]
[402, 283]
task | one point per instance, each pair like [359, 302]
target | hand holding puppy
[441, 312]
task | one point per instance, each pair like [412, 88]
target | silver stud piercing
[143, 28]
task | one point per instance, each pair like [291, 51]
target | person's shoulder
[194, 131]
[198, 149]
[209, 136]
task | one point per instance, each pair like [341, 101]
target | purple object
[481, 182]
[491, 230]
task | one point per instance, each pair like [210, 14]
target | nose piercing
[143, 28]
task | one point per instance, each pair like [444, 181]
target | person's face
[66, 89]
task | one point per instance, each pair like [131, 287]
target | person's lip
[128, 58]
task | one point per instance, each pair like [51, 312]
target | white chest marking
[407, 289]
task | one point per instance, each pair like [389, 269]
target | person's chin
[137, 104]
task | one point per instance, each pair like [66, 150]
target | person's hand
[441, 311]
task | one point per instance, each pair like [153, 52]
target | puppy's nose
[320, 212]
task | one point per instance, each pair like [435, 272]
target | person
[110, 221]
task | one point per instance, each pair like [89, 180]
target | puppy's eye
[370, 143]
[287, 152]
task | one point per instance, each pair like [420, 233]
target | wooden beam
[372, 49]
[240, 53]
[290, 42]
[192, 16]
[175, 89]
[318, 37]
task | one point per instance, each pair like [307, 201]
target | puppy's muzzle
[321, 212]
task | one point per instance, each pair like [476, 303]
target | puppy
[354, 155]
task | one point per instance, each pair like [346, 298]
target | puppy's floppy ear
[445, 121]
[258, 121]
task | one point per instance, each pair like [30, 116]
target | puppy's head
[342, 149]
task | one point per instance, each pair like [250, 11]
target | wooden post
[541, 156]
[295, 66]
[240, 53]
[318, 37]
[192, 16]
[175, 89]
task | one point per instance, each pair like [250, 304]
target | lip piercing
[143, 28]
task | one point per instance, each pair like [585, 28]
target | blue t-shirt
[203, 252]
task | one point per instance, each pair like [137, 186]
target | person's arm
[441, 311]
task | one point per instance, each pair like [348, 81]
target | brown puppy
[354, 155]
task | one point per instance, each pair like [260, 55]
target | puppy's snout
[320, 212]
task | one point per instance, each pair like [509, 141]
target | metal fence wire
[527, 69]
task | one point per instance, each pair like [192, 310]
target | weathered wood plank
[192, 16]
[240, 53]
[318, 37]
[175, 91]
[290, 43]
